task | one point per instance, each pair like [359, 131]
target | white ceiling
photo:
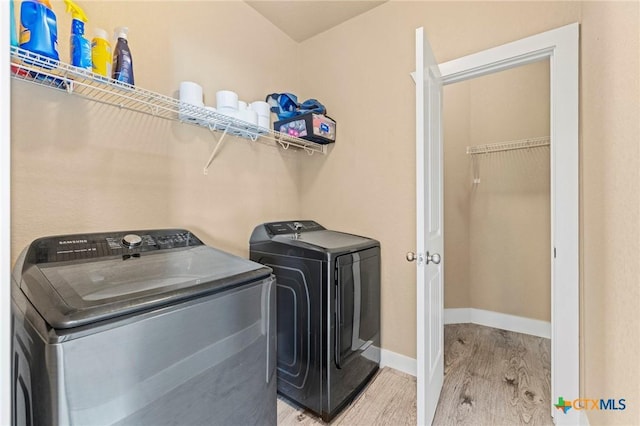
[302, 19]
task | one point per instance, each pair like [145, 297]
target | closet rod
[509, 145]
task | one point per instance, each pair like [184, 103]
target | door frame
[561, 47]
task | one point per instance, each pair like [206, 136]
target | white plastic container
[262, 108]
[226, 100]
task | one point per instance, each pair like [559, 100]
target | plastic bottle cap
[100, 33]
[121, 32]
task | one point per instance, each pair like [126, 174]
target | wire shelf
[500, 147]
[31, 67]
[509, 146]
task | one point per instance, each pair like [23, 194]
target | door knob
[435, 258]
[431, 258]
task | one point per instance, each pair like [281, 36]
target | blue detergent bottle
[39, 28]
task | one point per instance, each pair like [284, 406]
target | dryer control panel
[293, 227]
[90, 246]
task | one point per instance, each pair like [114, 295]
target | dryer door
[357, 303]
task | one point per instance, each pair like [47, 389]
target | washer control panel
[126, 244]
[293, 227]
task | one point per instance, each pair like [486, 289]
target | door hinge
[554, 252]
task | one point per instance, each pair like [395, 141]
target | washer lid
[325, 240]
[73, 293]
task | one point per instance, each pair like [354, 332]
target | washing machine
[328, 304]
[141, 328]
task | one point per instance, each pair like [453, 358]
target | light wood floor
[492, 377]
[390, 399]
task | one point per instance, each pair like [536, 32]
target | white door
[430, 277]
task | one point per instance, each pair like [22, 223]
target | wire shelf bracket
[215, 151]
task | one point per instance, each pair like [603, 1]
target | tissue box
[309, 126]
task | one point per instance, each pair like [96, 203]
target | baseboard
[498, 320]
[457, 315]
[398, 362]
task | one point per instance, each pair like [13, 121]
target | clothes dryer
[328, 304]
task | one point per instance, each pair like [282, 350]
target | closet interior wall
[497, 230]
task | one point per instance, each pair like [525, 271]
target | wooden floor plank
[494, 377]
[391, 395]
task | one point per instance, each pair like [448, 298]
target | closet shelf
[509, 145]
[36, 69]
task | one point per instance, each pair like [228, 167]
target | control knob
[131, 240]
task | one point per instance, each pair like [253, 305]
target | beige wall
[79, 166]
[497, 232]
[610, 201]
[510, 231]
[457, 195]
